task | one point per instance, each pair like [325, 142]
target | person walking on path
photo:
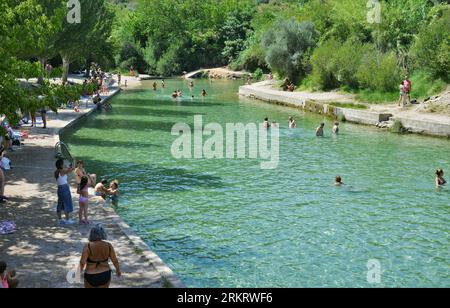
[65, 203]
[95, 260]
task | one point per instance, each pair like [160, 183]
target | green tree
[90, 36]
[288, 47]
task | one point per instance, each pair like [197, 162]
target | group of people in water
[177, 92]
[84, 181]
[440, 181]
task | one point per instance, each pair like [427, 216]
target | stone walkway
[43, 252]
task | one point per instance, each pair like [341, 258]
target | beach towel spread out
[7, 227]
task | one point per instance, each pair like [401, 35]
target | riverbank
[382, 116]
[43, 252]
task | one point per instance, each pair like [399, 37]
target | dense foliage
[322, 44]
[355, 45]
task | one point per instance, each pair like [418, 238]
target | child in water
[440, 181]
[338, 181]
[113, 191]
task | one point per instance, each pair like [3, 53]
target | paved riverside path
[43, 252]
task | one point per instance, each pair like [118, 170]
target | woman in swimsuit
[83, 191]
[440, 181]
[95, 260]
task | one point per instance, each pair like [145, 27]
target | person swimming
[174, 94]
[191, 84]
[155, 86]
[292, 123]
[338, 181]
[204, 93]
[440, 181]
[319, 130]
[266, 123]
[163, 84]
[336, 128]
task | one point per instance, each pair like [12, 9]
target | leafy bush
[288, 47]
[431, 49]
[336, 64]
[323, 75]
[258, 74]
[379, 72]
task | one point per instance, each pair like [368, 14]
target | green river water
[228, 223]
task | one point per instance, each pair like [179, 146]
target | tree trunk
[41, 75]
[66, 66]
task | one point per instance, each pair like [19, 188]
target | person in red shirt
[407, 86]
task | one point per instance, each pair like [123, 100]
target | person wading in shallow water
[440, 181]
[319, 130]
[95, 259]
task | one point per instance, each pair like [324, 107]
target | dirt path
[43, 252]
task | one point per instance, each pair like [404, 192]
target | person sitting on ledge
[101, 190]
[440, 181]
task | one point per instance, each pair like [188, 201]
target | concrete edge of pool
[170, 279]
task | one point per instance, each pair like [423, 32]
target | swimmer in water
[204, 93]
[163, 84]
[440, 181]
[191, 84]
[174, 94]
[338, 181]
[292, 123]
[113, 191]
[319, 130]
[155, 86]
[336, 128]
[266, 123]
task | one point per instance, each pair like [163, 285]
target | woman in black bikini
[440, 181]
[95, 258]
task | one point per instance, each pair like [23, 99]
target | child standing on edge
[83, 191]
[8, 279]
